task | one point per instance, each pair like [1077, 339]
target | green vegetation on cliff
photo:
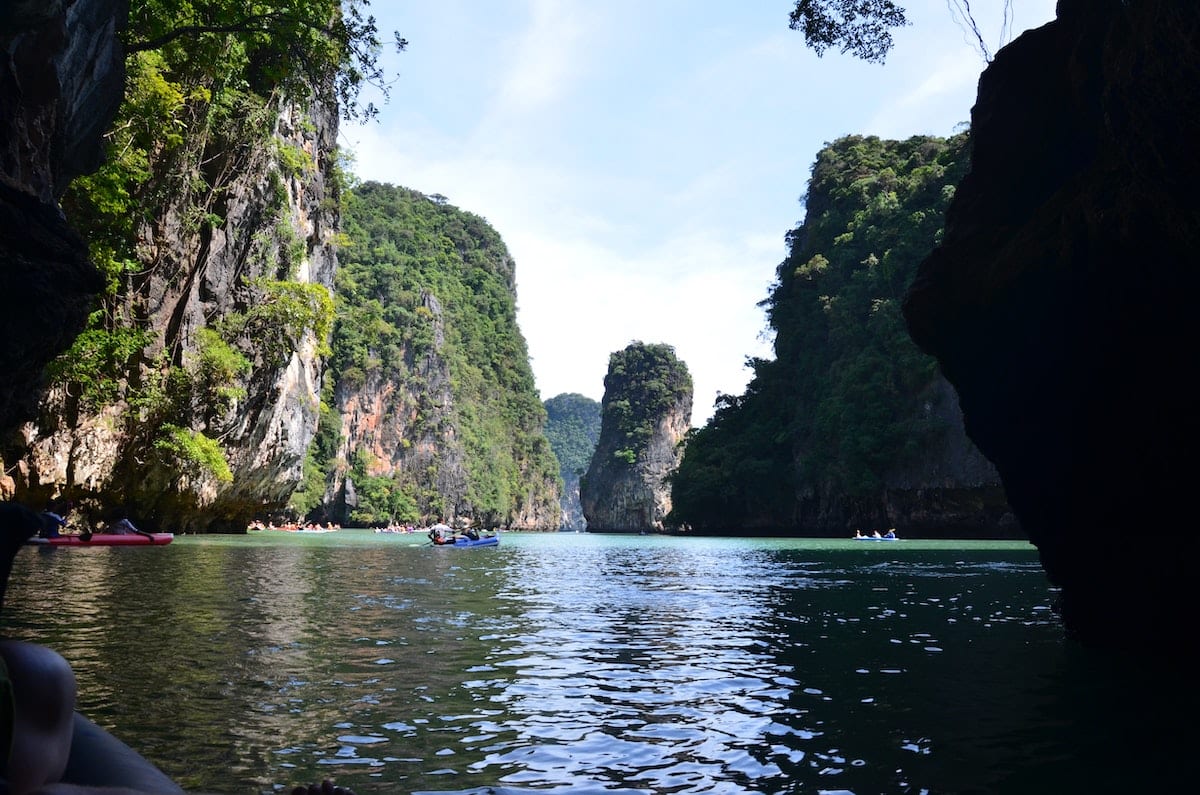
[573, 429]
[841, 403]
[424, 289]
[205, 83]
[642, 383]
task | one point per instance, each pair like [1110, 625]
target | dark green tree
[860, 27]
[330, 47]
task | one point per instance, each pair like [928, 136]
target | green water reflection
[582, 663]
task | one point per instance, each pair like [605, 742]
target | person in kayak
[123, 527]
[54, 518]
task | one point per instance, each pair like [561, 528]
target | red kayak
[107, 540]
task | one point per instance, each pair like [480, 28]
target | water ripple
[565, 664]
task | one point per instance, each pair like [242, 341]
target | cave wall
[1060, 306]
[61, 82]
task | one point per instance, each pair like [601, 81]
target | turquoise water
[596, 663]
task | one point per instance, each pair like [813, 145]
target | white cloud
[544, 58]
[642, 161]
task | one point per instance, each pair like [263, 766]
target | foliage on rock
[645, 415]
[643, 381]
[841, 405]
[573, 428]
[426, 318]
[211, 222]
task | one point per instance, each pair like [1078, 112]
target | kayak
[107, 540]
[871, 538]
[463, 541]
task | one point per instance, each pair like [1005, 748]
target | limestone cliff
[1060, 306]
[645, 414]
[573, 429]
[433, 415]
[849, 426]
[191, 395]
[61, 75]
[276, 229]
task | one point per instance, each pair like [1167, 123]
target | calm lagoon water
[600, 664]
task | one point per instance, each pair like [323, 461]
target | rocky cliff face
[849, 426]
[61, 81]
[276, 229]
[947, 489]
[645, 413]
[573, 429]
[1060, 306]
[437, 415]
[402, 433]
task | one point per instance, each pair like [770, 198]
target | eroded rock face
[61, 81]
[645, 413]
[195, 276]
[1060, 306]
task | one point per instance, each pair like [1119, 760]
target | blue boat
[463, 541]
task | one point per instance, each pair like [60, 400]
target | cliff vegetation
[190, 395]
[430, 410]
[850, 410]
[646, 410]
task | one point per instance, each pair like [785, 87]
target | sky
[643, 159]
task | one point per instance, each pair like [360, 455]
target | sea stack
[645, 413]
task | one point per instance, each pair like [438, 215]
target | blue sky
[643, 159]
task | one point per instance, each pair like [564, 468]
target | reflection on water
[576, 663]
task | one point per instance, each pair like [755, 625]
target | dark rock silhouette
[61, 80]
[1060, 306]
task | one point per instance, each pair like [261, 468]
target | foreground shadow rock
[61, 81]
[1061, 307]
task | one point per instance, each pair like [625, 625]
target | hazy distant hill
[573, 428]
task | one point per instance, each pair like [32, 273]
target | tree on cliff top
[327, 46]
[643, 381]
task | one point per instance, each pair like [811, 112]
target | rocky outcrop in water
[61, 81]
[645, 414]
[1060, 306]
[850, 426]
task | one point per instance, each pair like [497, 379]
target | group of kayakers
[294, 527]
[890, 535]
[54, 522]
[444, 534]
